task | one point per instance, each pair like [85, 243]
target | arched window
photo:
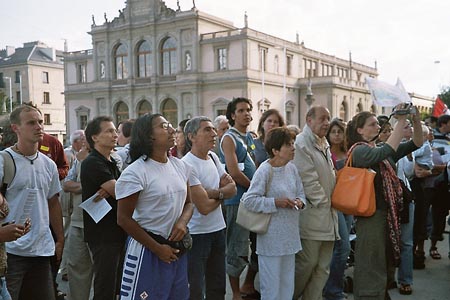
[121, 62]
[170, 111]
[169, 57]
[121, 112]
[143, 108]
[144, 59]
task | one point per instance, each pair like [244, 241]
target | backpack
[9, 170]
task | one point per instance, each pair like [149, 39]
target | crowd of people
[174, 193]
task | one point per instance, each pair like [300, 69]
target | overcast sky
[408, 39]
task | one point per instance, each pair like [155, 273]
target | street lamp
[262, 76]
[284, 82]
[20, 89]
[10, 93]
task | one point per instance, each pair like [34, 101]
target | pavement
[431, 283]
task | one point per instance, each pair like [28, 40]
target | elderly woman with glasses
[154, 208]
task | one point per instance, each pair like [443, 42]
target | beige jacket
[319, 220]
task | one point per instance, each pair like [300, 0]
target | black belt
[183, 245]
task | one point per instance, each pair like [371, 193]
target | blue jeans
[206, 266]
[405, 269]
[4, 294]
[334, 288]
[29, 278]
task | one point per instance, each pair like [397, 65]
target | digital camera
[409, 109]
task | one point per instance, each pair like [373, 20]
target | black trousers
[107, 268]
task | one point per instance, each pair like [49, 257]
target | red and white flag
[440, 108]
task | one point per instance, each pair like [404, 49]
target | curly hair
[231, 108]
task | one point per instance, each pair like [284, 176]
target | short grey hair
[219, 119]
[425, 130]
[192, 127]
[76, 135]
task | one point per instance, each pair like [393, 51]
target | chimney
[10, 50]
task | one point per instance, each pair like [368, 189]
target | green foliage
[445, 95]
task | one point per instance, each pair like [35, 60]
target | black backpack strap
[9, 170]
[214, 161]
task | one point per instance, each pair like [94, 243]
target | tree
[445, 95]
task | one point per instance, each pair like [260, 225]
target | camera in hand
[409, 109]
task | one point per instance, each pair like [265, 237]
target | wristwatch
[220, 195]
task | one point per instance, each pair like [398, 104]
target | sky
[408, 39]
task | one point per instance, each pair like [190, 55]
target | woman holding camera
[154, 208]
[378, 236]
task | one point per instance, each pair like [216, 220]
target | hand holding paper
[97, 209]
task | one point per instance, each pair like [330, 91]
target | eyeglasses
[165, 125]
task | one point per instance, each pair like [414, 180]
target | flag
[385, 94]
[404, 94]
[440, 108]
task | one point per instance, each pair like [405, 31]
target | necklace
[31, 160]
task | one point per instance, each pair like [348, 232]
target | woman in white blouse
[276, 188]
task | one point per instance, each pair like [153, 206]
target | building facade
[152, 58]
[34, 73]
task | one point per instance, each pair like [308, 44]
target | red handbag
[354, 193]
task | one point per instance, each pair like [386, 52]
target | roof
[31, 54]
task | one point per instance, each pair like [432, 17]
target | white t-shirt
[163, 190]
[206, 173]
[123, 153]
[27, 197]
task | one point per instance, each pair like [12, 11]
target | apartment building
[34, 73]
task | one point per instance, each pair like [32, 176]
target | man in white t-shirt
[33, 194]
[210, 184]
